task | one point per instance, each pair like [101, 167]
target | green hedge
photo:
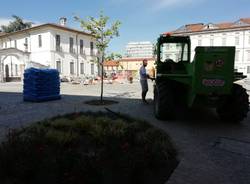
[87, 149]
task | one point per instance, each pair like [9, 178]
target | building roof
[111, 63]
[135, 59]
[43, 26]
[225, 25]
[245, 20]
[194, 27]
[201, 27]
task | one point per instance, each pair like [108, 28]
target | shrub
[87, 148]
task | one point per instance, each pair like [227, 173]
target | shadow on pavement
[12, 104]
[194, 132]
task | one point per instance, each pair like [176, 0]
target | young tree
[16, 25]
[103, 33]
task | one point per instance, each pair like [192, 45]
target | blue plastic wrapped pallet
[40, 85]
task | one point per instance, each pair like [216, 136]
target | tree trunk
[102, 74]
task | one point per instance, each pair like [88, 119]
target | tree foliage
[16, 25]
[113, 56]
[100, 29]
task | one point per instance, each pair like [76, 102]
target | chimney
[63, 21]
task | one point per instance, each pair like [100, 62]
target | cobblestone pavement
[210, 151]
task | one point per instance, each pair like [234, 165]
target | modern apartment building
[222, 34]
[71, 52]
[139, 50]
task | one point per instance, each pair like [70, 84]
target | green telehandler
[206, 81]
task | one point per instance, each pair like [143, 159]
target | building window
[211, 42]
[71, 44]
[81, 46]
[15, 44]
[248, 69]
[26, 44]
[237, 40]
[92, 69]
[72, 72]
[39, 40]
[237, 55]
[91, 48]
[224, 41]
[16, 69]
[59, 66]
[58, 43]
[199, 42]
[177, 57]
[248, 55]
[81, 68]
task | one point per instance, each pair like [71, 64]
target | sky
[142, 20]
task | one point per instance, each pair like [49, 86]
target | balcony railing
[82, 52]
[92, 53]
[59, 48]
[72, 50]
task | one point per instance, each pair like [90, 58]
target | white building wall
[86, 57]
[40, 54]
[242, 58]
[13, 63]
[46, 54]
[139, 49]
[66, 57]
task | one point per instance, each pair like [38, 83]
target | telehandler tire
[163, 102]
[236, 106]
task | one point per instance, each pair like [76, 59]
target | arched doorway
[7, 73]
[13, 63]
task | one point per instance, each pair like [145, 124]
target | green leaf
[99, 28]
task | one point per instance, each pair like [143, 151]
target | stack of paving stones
[41, 85]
